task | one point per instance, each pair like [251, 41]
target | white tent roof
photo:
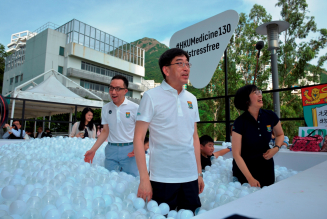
[52, 90]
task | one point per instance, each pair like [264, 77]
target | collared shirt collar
[166, 86]
[124, 103]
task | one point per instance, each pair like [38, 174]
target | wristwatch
[276, 146]
[200, 174]
[230, 148]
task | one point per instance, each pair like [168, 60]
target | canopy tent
[50, 97]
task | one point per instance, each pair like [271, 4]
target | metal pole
[23, 121]
[274, 69]
[75, 117]
[227, 107]
[70, 120]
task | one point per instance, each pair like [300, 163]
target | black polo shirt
[256, 134]
[205, 161]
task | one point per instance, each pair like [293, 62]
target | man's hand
[201, 184]
[131, 154]
[145, 190]
[253, 182]
[88, 156]
[6, 125]
[270, 153]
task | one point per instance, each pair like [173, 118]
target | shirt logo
[268, 128]
[138, 114]
[110, 111]
[128, 114]
[190, 106]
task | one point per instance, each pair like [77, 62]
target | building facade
[86, 55]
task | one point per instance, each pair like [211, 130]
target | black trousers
[177, 195]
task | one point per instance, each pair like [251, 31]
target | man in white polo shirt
[118, 120]
[170, 113]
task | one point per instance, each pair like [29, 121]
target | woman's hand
[270, 153]
[79, 135]
[253, 182]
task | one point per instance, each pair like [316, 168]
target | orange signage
[314, 95]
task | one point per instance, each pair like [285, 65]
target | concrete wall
[6, 87]
[86, 53]
[54, 42]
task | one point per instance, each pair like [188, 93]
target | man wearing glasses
[118, 120]
[170, 113]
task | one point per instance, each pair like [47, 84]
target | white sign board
[205, 42]
[321, 115]
[305, 131]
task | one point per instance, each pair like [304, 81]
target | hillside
[153, 50]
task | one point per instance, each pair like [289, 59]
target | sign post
[205, 42]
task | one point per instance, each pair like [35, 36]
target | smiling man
[118, 120]
[170, 113]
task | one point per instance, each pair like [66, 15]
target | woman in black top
[253, 162]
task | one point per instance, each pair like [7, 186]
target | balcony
[103, 79]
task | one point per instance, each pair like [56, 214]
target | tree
[241, 64]
[3, 55]
[293, 62]
[295, 53]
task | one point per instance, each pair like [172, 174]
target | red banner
[314, 95]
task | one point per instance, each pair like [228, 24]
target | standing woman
[84, 128]
[253, 158]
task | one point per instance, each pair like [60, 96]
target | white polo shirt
[171, 117]
[121, 121]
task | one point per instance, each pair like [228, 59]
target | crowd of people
[178, 155]
[15, 132]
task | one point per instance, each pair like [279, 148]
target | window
[103, 71]
[11, 81]
[16, 79]
[60, 69]
[61, 51]
[129, 94]
[21, 77]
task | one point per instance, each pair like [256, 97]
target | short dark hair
[146, 140]
[16, 121]
[204, 139]
[242, 99]
[166, 57]
[29, 130]
[121, 77]
[47, 129]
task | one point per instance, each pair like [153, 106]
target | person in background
[40, 133]
[118, 120]
[146, 147]
[13, 132]
[29, 134]
[231, 131]
[207, 150]
[253, 158]
[84, 128]
[48, 132]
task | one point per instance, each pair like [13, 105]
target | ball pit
[48, 178]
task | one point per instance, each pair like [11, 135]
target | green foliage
[153, 50]
[293, 64]
[3, 55]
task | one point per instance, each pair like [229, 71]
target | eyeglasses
[258, 92]
[182, 64]
[117, 89]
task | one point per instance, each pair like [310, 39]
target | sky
[131, 20]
